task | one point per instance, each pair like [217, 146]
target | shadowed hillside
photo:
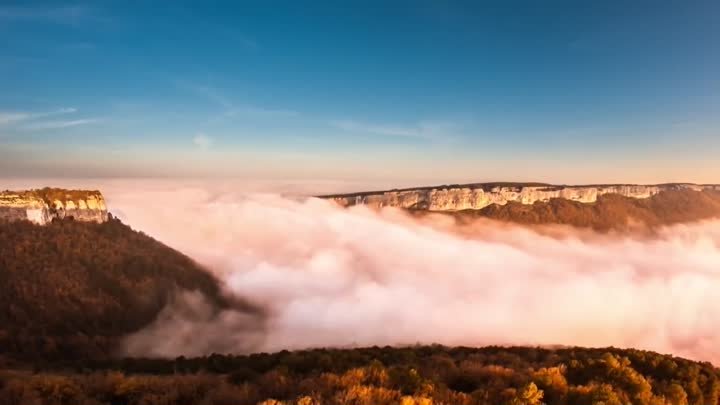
[611, 211]
[70, 289]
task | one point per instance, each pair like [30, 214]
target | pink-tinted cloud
[334, 277]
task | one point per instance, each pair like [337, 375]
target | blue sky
[405, 91]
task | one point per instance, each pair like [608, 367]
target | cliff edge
[481, 195]
[43, 205]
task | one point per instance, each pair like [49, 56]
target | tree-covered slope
[70, 289]
[611, 211]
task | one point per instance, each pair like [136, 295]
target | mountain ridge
[603, 207]
[520, 184]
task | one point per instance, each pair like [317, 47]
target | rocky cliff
[479, 196]
[43, 205]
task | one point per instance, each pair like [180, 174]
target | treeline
[381, 376]
[70, 289]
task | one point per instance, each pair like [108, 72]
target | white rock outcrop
[478, 196]
[37, 207]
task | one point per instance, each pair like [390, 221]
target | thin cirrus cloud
[32, 121]
[12, 117]
[67, 15]
[77, 47]
[61, 124]
[257, 111]
[230, 108]
[423, 130]
[237, 38]
[429, 130]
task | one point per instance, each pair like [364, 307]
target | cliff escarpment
[601, 207]
[609, 212]
[43, 205]
[479, 196]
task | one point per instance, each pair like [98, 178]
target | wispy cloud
[426, 129]
[232, 109]
[246, 42]
[421, 130]
[242, 40]
[67, 15]
[202, 141]
[61, 124]
[12, 117]
[354, 126]
[77, 47]
[209, 93]
[257, 111]
[235, 37]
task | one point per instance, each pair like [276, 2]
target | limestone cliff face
[44, 205]
[478, 196]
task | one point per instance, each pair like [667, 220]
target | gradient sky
[394, 91]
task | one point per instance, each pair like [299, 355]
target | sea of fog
[327, 276]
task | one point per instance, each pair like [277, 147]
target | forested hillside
[610, 212]
[69, 289]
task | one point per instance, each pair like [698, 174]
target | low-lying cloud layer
[336, 277]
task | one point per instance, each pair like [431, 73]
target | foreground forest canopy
[379, 376]
[69, 290]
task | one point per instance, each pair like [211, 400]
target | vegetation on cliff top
[50, 194]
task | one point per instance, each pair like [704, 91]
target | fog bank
[336, 277]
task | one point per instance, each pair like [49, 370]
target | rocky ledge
[480, 195]
[45, 205]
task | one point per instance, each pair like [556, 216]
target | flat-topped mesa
[481, 195]
[43, 205]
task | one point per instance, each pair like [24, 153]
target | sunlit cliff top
[47, 195]
[518, 186]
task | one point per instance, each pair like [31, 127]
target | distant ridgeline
[480, 195]
[45, 205]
